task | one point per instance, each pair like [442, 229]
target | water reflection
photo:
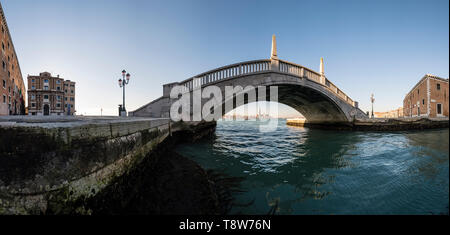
[305, 171]
[431, 148]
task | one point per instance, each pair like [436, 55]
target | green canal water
[308, 171]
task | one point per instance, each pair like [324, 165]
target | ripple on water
[329, 172]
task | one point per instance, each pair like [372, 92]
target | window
[65, 98]
[418, 91]
[4, 65]
[438, 86]
[58, 97]
[58, 88]
[65, 105]
[46, 88]
[33, 87]
[4, 99]
[4, 84]
[439, 108]
[32, 80]
[58, 82]
[46, 80]
[72, 99]
[33, 105]
[423, 101]
[58, 105]
[33, 97]
[65, 91]
[46, 97]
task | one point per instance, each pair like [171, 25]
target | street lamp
[372, 100]
[122, 83]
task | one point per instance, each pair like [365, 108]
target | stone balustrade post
[274, 64]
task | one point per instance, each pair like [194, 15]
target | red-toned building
[428, 98]
[12, 86]
[49, 95]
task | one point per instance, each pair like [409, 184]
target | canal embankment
[377, 124]
[68, 165]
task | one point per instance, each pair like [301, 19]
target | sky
[379, 47]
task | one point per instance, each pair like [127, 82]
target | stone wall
[60, 161]
[378, 124]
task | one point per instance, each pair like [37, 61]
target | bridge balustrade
[258, 66]
[225, 73]
[298, 70]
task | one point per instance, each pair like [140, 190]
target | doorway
[439, 109]
[46, 110]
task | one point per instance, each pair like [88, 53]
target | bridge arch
[301, 88]
[316, 104]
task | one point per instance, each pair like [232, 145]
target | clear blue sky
[380, 47]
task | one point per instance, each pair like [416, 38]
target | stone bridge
[307, 91]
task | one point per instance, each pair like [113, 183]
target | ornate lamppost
[372, 100]
[122, 83]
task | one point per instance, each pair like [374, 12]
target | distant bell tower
[274, 48]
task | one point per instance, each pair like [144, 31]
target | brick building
[12, 86]
[428, 98]
[49, 95]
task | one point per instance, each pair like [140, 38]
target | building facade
[69, 97]
[428, 98]
[49, 95]
[12, 86]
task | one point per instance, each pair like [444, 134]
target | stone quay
[46, 163]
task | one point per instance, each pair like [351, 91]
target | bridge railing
[301, 71]
[226, 72]
[338, 92]
[258, 66]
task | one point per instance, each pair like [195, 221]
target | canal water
[309, 171]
